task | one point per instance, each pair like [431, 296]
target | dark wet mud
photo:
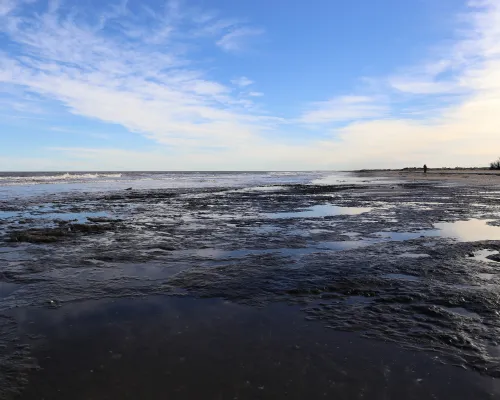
[157, 348]
[413, 264]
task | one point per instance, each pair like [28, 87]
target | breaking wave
[57, 177]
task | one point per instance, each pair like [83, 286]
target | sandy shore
[472, 177]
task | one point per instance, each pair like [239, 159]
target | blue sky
[248, 85]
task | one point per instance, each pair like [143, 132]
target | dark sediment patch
[16, 361]
[189, 349]
[64, 231]
[322, 189]
[410, 311]
[494, 257]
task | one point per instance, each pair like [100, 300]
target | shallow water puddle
[469, 231]
[486, 276]
[345, 245]
[323, 210]
[461, 230]
[402, 277]
[9, 214]
[482, 255]
[64, 216]
[265, 188]
[413, 255]
[466, 231]
[462, 311]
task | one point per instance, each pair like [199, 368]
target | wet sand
[357, 286]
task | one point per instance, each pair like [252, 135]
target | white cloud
[234, 41]
[6, 6]
[414, 85]
[146, 88]
[256, 94]
[346, 108]
[242, 81]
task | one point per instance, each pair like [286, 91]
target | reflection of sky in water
[413, 255]
[483, 254]
[345, 245]
[461, 311]
[469, 231]
[272, 188]
[9, 214]
[462, 230]
[348, 178]
[324, 210]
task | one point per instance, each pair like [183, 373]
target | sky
[248, 85]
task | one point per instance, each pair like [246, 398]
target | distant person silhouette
[425, 168]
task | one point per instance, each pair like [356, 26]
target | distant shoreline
[456, 169]
[472, 176]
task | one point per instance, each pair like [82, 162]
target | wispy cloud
[256, 94]
[147, 88]
[236, 40]
[6, 6]
[242, 81]
[90, 133]
[346, 108]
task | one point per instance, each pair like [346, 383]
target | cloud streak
[150, 89]
[242, 81]
[346, 108]
[235, 40]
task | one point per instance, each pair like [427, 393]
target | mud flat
[367, 285]
[189, 349]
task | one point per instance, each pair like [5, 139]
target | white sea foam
[67, 177]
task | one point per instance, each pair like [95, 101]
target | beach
[469, 176]
[374, 284]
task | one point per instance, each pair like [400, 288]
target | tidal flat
[329, 286]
